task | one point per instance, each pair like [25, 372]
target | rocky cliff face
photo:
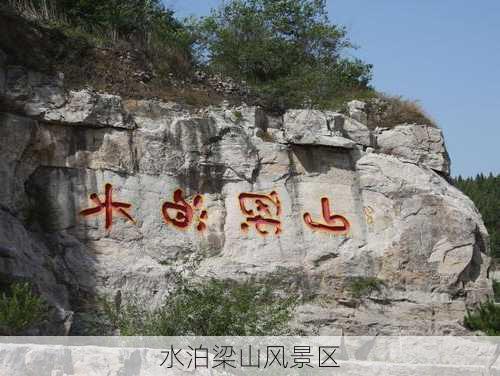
[307, 202]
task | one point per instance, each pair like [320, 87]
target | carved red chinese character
[108, 207]
[262, 211]
[181, 214]
[333, 223]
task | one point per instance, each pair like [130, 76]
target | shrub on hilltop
[287, 50]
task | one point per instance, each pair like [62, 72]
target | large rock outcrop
[307, 202]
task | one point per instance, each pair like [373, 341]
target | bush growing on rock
[486, 318]
[217, 308]
[363, 286]
[20, 309]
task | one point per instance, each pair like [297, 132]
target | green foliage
[363, 286]
[20, 309]
[144, 24]
[288, 50]
[217, 308]
[486, 319]
[127, 19]
[238, 116]
[496, 291]
[485, 192]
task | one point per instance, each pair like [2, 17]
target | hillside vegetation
[288, 50]
[135, 24]
[216, 308]
[281, 54]
[485, 192]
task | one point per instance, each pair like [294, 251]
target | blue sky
[444, 53]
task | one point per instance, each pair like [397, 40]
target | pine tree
[485, 192]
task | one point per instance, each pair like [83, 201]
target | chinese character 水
[108, 207]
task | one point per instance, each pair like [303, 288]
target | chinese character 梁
[262, 211]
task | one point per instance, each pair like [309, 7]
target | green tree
[485, 192]
[287, 49]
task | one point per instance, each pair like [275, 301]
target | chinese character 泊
[181, 214]
[198, 357]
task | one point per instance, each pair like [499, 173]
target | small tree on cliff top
[286, 48]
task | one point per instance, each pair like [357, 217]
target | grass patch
[389, 111]
[238, 116]
[486, 318]
[363, 286]
[216, 308]
[339, 103]
[265, 136]
[20, 309]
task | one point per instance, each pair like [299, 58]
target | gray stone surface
[3, 67]
[312, 127]
[357, 111]
[414, 143]
[355, 131]
[396, 220]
